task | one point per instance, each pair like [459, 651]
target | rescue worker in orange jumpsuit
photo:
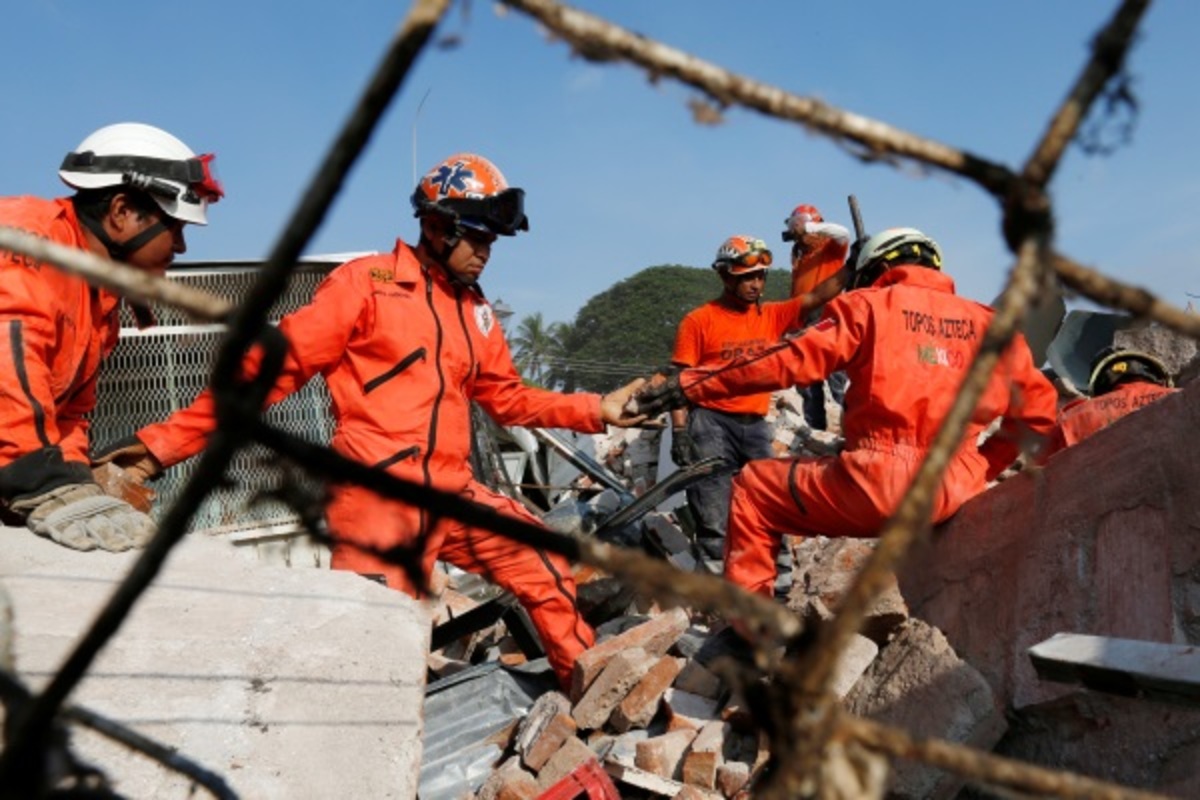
[815, 258]
[736, 326]
[906, 341]
[136, 187]
[406, 341]
[1122, 381]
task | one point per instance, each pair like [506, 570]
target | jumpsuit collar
[916, 275]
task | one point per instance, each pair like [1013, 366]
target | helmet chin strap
[120, 251]
[442, 259]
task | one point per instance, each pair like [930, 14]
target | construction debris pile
[656, 702]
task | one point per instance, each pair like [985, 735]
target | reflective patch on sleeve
[825, 324]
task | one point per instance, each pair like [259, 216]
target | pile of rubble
[656, 705]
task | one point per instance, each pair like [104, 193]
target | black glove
[658, 396]
[683, 448]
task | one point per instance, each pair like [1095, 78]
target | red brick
[704, 757]
[732, 776]
[655, 637]
[572, 754]
[620, 675]
[662, 755]
[641, 704]
[544, 729]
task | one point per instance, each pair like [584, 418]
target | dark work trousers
[813, 396]
[736, 438]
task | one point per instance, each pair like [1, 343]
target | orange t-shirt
[715, 335]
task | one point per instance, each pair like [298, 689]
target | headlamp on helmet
[1113, 366]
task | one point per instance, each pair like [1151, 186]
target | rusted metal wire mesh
[807, 727]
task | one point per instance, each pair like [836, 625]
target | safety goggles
[755, 258]
[502, 213]
[197, 173]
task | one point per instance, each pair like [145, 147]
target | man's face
[157, 254]
[468, 258]
[747, 287]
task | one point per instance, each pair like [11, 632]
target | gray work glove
[81, 516]
[683, 448]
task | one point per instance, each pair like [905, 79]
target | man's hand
[81, 516]
[683, 448]
[138, 463]
[661, 393]
[615, 406]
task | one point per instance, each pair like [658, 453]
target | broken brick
[663, 755]
[641, 704]
[572, 754]
[620, 675]
[655, 637]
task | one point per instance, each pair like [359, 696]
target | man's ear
[123, 213]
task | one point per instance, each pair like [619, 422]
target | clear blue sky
[618, 176]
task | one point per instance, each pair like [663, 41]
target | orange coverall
[54, 332]
[403, 352]
[906, 343]
[1080, 418]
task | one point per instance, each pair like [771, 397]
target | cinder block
[640, 705]
[655, 637]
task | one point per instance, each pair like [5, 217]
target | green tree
[534, 346]
[629, 329]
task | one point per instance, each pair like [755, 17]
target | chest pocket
[404, 363]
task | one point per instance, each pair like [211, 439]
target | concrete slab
[1121, 666]
[289, 683]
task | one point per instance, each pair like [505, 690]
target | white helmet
[895, 246]
[149, 159]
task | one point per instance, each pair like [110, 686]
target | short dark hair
[93, 204]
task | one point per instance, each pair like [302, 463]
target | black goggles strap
[503, 212]
[188, 172]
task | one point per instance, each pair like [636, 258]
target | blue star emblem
[449, 178]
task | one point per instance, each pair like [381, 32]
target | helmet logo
[456, 177]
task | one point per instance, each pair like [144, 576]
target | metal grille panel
[155, 372]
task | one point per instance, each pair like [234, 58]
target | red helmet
[471, 191]
[739, 255]
[793, 226]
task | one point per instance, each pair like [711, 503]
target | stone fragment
[919, 684]
[696, 679]
[572, 753]
[823, 571]
[732, 776]
[544, 729]
[641, 704]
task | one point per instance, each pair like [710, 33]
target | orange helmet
[739, 255]
[472, 192]
[794, 225]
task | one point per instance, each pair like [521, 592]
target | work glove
[683, 448]
[661, 393]
[81, 516]
[133, 457]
